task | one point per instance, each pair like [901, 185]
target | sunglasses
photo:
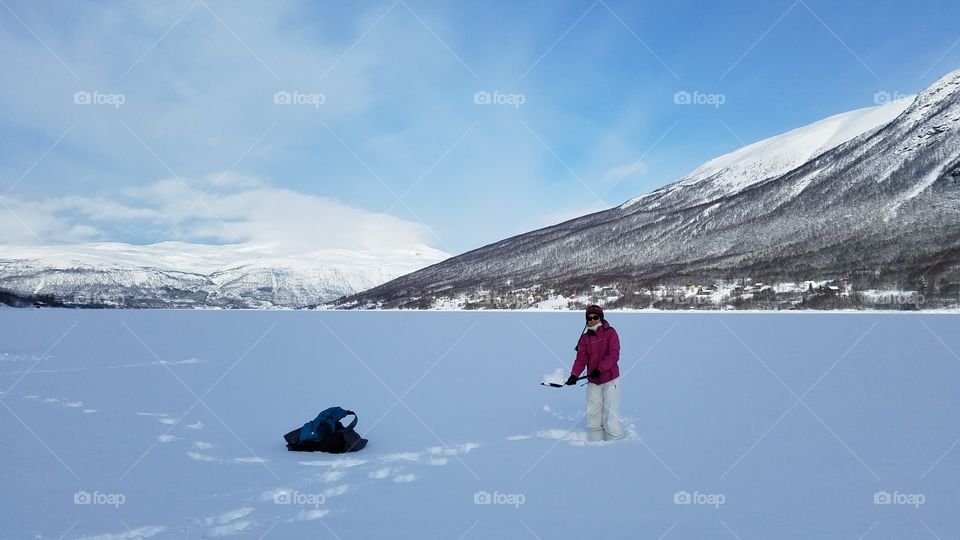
[593, 317]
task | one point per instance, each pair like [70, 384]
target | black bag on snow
[325, 433]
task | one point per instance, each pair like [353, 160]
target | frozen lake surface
[169, 424]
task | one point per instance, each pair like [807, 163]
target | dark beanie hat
[594, 309]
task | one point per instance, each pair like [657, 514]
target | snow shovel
[561, 385]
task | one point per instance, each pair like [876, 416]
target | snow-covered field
[169, 424]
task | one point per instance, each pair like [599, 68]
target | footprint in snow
[335, 463]
[335, 491]
[65, 402]
[309, 515]
[386, 472]
[404, 478]
[200, 456]
[163, 418]
[228, 523]
[197, 455]
[401, 456]
[435, 455]
[380, 474]
[577, 436]
[130, 534]
[334, 475]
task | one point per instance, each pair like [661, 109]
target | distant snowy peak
[175, 274]
[214, 258]
[733, 172]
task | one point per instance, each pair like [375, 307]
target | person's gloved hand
[595, 374]
[572, 380]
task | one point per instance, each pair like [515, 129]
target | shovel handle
[559, 385]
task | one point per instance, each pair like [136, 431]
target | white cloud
[199, 91]
[198, 82]
[236, 210]
[23, 224]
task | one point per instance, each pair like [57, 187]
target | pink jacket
[599, 349]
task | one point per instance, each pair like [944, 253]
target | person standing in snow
[599, 351]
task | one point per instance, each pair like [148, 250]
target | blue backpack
[325, 433]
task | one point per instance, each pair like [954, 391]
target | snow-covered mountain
[874, 192]
[174, 274]
[768, 158]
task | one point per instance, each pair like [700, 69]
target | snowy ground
[169, 424]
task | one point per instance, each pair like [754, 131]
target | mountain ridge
[175, 274]
[821, 218]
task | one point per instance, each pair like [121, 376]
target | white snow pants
[603, 411]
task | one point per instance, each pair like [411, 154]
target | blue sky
[188, 134]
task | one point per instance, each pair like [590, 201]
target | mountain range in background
[865, 199]
[181, 275]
